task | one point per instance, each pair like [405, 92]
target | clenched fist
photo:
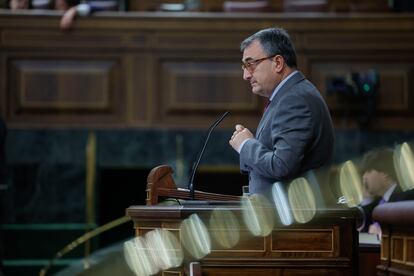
[240, 135]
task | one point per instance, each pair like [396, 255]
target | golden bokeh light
[404, 166]
[138, 258]
[302, 200]
[258, 215]
[281, 203]
[195, 237]
[224, 228]
[350, 184]
[164, 248]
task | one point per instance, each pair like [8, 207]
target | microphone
[197, 162]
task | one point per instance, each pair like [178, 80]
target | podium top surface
[188, 208]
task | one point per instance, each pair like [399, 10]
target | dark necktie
[382, 201]
[266, 105]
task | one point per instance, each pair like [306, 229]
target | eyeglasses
[251, 65]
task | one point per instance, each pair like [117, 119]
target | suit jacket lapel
[395, 194]
[262, 122]
[268, 113]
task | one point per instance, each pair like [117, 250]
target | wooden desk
[369, 258]
[397, 245]
[325, 246]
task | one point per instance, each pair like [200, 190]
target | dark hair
[275, 41]
[381, 160]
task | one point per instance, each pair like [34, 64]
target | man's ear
[279, 62]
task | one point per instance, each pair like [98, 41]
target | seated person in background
[19, 4]
[83, 9]
[379, 179]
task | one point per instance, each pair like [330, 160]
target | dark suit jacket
[294, 135]
[397, 195]
[368, 209]
[402, 196]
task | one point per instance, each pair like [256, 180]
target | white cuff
[242, 144]
[83, 9]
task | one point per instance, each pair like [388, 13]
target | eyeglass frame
[251, 65]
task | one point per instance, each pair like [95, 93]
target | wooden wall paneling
[204, 86]
[61, 85]
[54, 39]
[381, 39]
[65, 89]
[197, 41]
[303, 64]
[140, 80]
[393, 91]
[200, 74]
[63, 78]
[174, 48]
[200, 86]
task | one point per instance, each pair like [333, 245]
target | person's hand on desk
[375, 228]
[67, 20]
[240, 135]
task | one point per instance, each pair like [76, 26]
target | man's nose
[246, 74]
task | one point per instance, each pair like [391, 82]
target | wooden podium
[160, 184]
[327, 245]
[397, 245]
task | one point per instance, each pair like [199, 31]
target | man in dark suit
[295, 133]
[379, 180]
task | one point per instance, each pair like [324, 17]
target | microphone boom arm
[197, 162]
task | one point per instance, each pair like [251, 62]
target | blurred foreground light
[404, 165]
[138, 258]
[194, 237]
[302, 200]
[281, 203]
[164, 248]
[258, 215]
[350, 183]
[224, 228]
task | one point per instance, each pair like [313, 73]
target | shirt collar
[281, 84]
[388, 193]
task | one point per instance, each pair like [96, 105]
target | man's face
[263, 76]
[374, 182]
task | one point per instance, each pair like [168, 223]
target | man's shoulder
[402, 196]
[303, 91]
